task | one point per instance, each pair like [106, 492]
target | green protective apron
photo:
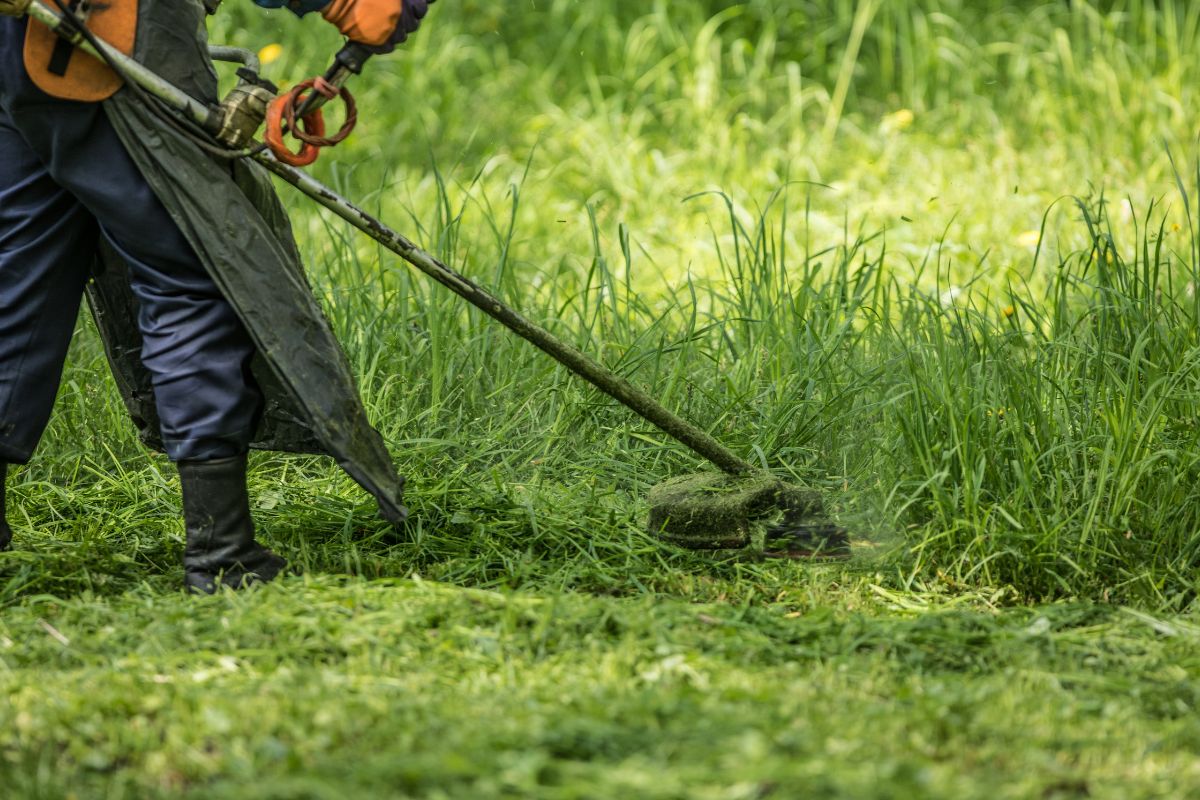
[229, 213]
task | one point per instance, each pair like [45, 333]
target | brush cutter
[714, 510]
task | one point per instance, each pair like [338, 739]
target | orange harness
[58, 70]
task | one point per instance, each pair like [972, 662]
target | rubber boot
[221, 550]
[5, 531]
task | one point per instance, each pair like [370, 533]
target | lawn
[936, 259]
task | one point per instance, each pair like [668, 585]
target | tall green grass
[630, 107]
[1044, 441]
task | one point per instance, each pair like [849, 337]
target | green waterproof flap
[229, 213]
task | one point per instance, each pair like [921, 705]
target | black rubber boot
[221, 550]
[5, 531]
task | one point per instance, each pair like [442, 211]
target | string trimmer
[712, 510]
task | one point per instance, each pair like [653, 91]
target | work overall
[65, 181]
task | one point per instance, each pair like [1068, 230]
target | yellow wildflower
[898, 120]
[270, 53]
[1030, 239]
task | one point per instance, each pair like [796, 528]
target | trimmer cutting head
[716, 511]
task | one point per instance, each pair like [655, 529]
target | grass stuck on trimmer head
[718, 511]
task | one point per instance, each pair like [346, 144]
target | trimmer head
[716, 511]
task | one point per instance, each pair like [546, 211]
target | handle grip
[352, 57]
[350, 60]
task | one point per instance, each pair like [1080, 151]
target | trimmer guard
[716, 511]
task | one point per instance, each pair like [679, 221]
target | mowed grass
[931, 258]
[328, 688]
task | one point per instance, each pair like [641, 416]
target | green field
[936, 259]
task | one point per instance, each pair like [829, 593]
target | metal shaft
[570, 357]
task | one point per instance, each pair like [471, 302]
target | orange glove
[370, 22]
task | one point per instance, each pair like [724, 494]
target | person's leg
[198, 353]
[47, 243]
[194, 346]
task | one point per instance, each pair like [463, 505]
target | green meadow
[935, 259]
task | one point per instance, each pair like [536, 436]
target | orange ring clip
[311, 130]
[313, 124]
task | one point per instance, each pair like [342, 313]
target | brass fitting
[14, 8]
[243, 111]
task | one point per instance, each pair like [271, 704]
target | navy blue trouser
[65, 180]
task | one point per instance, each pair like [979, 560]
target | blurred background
[931, 120]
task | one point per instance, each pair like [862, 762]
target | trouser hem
[210, 447]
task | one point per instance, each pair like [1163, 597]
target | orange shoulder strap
[59, 70]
